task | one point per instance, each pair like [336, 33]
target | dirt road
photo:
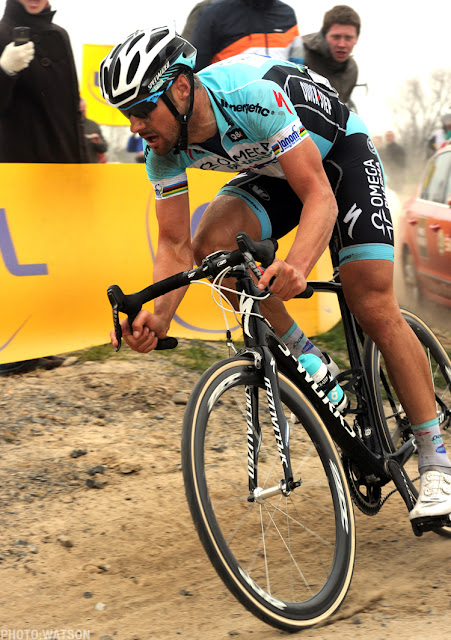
[96, 538]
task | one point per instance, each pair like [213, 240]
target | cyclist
[303, 160]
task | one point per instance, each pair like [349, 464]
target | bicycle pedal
[429, 523]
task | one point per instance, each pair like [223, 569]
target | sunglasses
[140, 110]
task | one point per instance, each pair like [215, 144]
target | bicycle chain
[369, 508]
[395, 490]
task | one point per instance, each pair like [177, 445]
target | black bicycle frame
[271, 355]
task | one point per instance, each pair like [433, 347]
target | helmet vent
[106, 82]
[133, 67]
[116, 74]
[146, 62]
[134, 41]
[155, 37]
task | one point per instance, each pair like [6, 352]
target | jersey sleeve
[288, 138]
[276, 120]
[168, 178]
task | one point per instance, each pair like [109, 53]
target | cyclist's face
[341, 39]
[158, 128]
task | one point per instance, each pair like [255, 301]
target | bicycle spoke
[285, 555]
[276, 537]
[398, 429]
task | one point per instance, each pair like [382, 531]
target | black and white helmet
[148, 61]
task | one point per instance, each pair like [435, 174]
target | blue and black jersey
[263, 108]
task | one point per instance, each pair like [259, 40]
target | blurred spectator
[225, 28]
[95, 142]
[39, 98]
[328, 52]
[378, 142]
[393, 159]
[135, 145]
[39, 104]
[443, 135]
[192, 19]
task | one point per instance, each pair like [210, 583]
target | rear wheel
[393, 417]
[287, 556]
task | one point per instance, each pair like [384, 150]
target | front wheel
[287, 557]
[397, 427]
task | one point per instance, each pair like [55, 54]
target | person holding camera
[40, 118]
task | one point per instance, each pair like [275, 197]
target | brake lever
[118, 303]
[116, 298]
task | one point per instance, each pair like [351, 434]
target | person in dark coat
[328, 52]
[225, 28]
[40, 117]
[39, 96]
[192, 19]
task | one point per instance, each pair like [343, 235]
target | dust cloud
[435, 315]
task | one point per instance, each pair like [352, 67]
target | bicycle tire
[391, 414]
[290, 583]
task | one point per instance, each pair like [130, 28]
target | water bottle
[320, 374]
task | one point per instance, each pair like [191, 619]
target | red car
[425, 234]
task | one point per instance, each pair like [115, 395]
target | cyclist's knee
[378, 314]
[200, 249]
[223, 219]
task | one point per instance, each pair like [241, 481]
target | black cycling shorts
[364, 228]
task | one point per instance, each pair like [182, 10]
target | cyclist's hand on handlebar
[283, 280]
[147, 328]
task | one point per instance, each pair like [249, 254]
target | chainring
[366, 496]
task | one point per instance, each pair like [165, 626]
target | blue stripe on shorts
[254, 204]
[375, 251]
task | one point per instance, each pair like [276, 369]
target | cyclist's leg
[252, 203]
[368, 287]
[366, 272]
[227, 215]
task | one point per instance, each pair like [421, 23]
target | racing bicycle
[272, 470]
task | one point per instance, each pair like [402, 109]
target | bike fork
[281, 432]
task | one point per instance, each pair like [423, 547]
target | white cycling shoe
[435, 496]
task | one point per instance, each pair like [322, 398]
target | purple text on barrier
[9, 254]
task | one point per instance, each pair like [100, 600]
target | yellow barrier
[67, 232]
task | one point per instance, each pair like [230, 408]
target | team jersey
[263, 108]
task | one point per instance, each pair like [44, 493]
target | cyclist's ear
[180, 89]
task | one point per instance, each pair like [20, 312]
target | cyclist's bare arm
[174, 254]
[305, 174]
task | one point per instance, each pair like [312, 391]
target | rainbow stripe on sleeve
[174, 189]
[277, 146]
